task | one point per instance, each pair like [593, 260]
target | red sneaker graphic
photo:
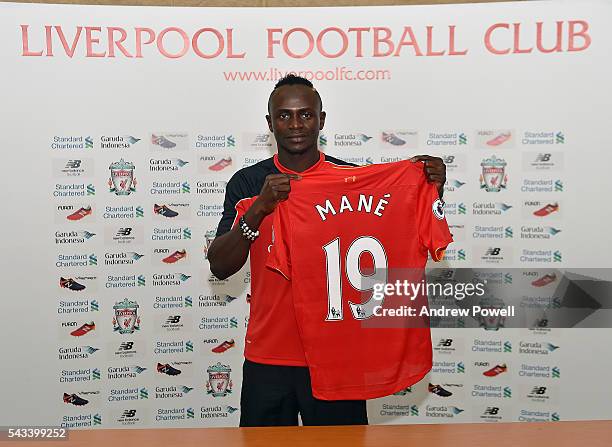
[78, 215]
[498, 369]
[544, 280]
[221, 164]
[224, 346]
[548, 209]
[86, 328]
[174, 257]
[500, 139]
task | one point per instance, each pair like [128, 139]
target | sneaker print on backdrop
[163, 210]
[175, 257]
[75, 400]
[162, 141]
[84, 329]
[392, 139]
[496, 370]
[167, 369]
[546, 210]
[438, 390]
[79, 214]
[71, 284]
[224, 346]
[500, 139]
[221, 164]
[544, 280]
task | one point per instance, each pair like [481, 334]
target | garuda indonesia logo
[126, 319]
[219, 383]
[493, 177]
[122, 181]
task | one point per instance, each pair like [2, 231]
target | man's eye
[284, 116]
[306, 115]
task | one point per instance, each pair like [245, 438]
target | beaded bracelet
[247, 233]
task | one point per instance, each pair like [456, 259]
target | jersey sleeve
[241, 207]
[234, 192]
[433, 228]
[279, 257]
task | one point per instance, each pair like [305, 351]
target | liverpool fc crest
[209, 236]
[126, 319]
[122, 181]
[219, 383]
[493, 177]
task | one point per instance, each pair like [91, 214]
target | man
[276, 383]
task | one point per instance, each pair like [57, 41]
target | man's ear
[269, 120]
[322, 120]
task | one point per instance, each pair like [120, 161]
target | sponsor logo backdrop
[123, 126]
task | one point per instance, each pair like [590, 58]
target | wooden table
[523, 434]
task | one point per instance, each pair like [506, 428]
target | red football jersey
[342, 230]
[272, 325]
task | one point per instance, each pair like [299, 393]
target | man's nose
[295, 122]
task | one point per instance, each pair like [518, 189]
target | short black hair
[293, 79]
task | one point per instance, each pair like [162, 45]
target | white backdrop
[183, 121]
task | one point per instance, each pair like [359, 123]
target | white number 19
[356, 279]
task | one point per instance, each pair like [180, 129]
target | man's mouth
[296, 138]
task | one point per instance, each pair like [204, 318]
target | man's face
[295, 118]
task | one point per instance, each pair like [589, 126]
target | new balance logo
[73, 164]
[543, 157]
[539, 390]
[126, 345]
[173, 319]
[262, 138]
[124, 231]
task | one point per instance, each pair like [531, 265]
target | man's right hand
[228, 252]
[276, 189]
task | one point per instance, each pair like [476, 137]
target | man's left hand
[435, 170]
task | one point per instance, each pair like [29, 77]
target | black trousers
[273, 395]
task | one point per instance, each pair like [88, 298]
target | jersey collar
[285, 170]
